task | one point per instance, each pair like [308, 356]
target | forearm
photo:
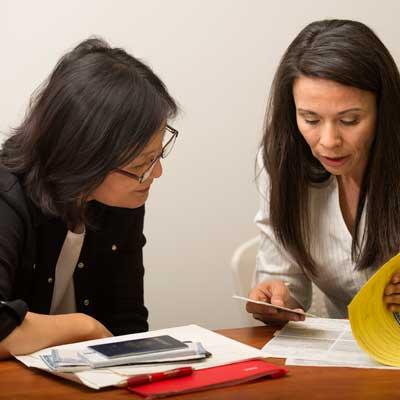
[39, 331]
[4, 354]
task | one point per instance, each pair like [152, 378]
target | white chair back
[243, 265]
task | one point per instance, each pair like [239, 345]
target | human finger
[392, 289]
[395, 277]
[279, 317]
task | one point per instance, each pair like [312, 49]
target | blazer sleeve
[273, 261]
[12, 311]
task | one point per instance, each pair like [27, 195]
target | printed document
[223, 350]
[319, 342]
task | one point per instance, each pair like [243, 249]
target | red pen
[157, 376]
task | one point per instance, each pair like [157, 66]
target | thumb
[278, 294]
[277, 300]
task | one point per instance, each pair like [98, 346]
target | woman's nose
[157, 170]
[330, 137]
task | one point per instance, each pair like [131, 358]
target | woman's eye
[141, 166]
[349, 121]
[311, 121]
[136, 167]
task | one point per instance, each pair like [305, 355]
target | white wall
[218, 59]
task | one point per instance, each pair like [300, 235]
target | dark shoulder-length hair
[97, 110]
[349, 53]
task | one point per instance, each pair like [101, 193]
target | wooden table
[19, 382]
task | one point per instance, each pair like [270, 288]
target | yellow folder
[376, 329]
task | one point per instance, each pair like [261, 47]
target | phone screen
[139, 346]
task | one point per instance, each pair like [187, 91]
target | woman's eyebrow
[142, 157]
[353, 109]
[301, 110]
[349, 110]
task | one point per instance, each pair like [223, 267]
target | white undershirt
[63, 301]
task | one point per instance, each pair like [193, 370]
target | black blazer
[108, 278]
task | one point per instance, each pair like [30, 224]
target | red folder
[215, 377]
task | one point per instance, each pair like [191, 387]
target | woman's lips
[334, 161]
[143, 190]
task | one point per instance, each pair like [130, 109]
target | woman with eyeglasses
[330, 205]
[74, 177]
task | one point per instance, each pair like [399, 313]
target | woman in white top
[330, 210]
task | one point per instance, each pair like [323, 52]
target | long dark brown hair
[349, 53]
[97, 110]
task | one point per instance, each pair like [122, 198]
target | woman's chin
[133, 204]
[137, 202]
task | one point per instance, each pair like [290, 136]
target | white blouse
[330, 248]
[63, 300]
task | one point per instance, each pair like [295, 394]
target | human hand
[91, 328]
[39, 331]
[277, 293]
[391, 296]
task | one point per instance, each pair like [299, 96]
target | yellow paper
[376, 329]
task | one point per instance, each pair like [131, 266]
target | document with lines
[319, 342]
[224, 351]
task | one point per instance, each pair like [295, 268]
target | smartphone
[133, 347]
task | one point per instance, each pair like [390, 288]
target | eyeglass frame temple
[175, 134]
[140, 178]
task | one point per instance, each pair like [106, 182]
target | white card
[264, 303]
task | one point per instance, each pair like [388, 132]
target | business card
[264, 303]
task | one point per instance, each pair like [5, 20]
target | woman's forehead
[317, 94]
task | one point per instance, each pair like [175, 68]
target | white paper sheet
[223, 349]
[319, 342]
[265, 303]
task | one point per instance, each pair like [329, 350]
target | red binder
[215, 377]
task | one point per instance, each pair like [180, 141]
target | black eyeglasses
[166, 149]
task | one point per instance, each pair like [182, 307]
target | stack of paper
[376, 329]
[66, 360]
[224, 351]
[319, 342]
